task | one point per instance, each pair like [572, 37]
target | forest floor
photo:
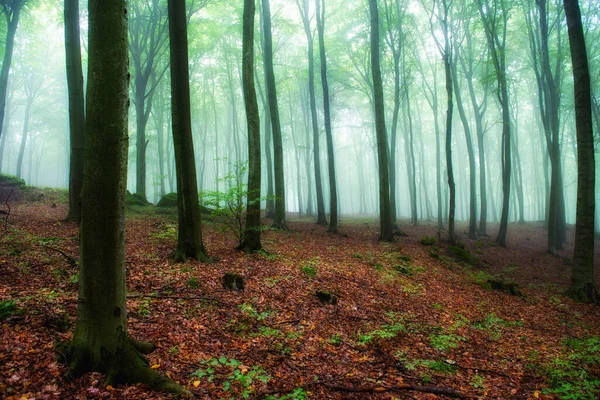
[407, 315]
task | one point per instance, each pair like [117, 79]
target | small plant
[268, 331]
[427, 240]
[143, 308]
[412, 289]
[250, 312]
[385, 332]
[478, 382]
[267, 255]
[309, 271]
[445, 342]
[9, 308]
[336, 339]
[357, 256]
[575, 374]
[193, 283]
[238, 379]
[174, 350]
[296, 394]
[168, 232]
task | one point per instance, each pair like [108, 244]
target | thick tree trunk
[189, 239]
[385, 215]
[12, 15]
[251, 240]
[279, 220]
[582, 279]
[333, 206]
[76, 107]
[100, 342]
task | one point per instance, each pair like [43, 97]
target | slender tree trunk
[385, 215]
[333, 206]
[321, 218]
[412, 169]
[296, 154]
[471, 153]
[251, 240]
[24, 137]
[189, 238]
[76, 107]
[582, 279]
[279, 221]
[268, 156]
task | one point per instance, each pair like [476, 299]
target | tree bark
[189, 239]
[251, 240]
[279, 218]
[100, 342]
[76, 107]
[385, 215]
[321, 218]
[582, 279]
[12, 14]
[333, 206]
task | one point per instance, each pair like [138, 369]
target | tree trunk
[12, 14]
[100, 342]
[582, 279]
[76, 104]
[279, 220]
[385, 215]
[333, 206]
[24, 137]
[471, 153]
[268, 156]
[189, 239]
[251, 240]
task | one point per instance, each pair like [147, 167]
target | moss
[460, 253]
[136, 200]
[11, 181]
[168, 200]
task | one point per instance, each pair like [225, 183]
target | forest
[299, 199]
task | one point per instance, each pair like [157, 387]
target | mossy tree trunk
[279, 217]
[100, 342]
[189, 240]
[385, 214]
[76, 107]
[582, 279]
[251, 240]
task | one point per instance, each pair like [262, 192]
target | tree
[251, 239]
[12, 11]
[321, 219]
[495, 22]
[548, 80]
[385, 216]
[582, 278]
[32, 85]
[189, 238]
[279, 218]
[100, 341]
[333, 206]
[76, 107]
[148, 32]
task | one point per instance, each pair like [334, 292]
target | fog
[37, 106]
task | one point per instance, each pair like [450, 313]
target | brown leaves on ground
[407, 314]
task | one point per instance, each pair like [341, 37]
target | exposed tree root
[126, 365]
[584, 294]
[399, 388]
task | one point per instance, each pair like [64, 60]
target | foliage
[460, 252]
[234, 377]
[11, 181]
[229, 206]
[9, 308]
[444, 342]
[428, 240]
[576, 374]
[250, 311]
[168, 232]
[378, 335]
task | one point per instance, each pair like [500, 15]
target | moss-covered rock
[168, 200]
[11, 181]
[136, 200]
